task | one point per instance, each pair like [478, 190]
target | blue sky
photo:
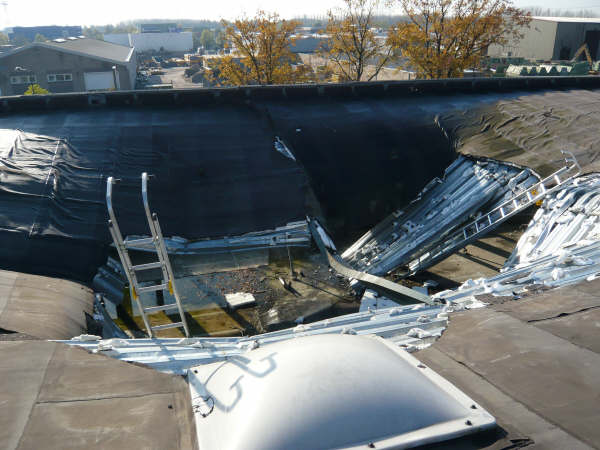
[86, 12]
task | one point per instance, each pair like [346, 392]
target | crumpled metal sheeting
[295, 234]
[561, 245]
[412, 327]
[469, 186]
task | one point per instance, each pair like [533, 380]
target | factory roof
[569, 19]
[82, 46]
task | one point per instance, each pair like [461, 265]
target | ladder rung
[152, 265]
[153, 309]
[167, 326]
[135, 242]
[157, 287]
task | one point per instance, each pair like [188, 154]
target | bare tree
[353, 47]
[442, 38]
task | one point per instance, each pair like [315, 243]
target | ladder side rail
[115, 233]
[156, 238]
[161, 248]
[133, 288]
[109, 206]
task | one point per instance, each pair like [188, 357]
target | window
[58, 77]
[23, 79]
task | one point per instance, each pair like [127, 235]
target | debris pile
[469, 188]
[561, 246]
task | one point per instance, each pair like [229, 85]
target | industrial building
[74, 64]
[159, 28]
[49, 32]
[552, 38]
[144, 42]
[154, 37]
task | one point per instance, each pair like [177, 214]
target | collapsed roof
[475, 347]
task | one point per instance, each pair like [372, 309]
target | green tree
[40, 38]
[36, 89]
[220, 40]
[3, 39]
[93, 32]
[207, 39]
[19, 41]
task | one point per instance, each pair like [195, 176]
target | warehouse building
[159, 28]
[74, 64]
[49, 32]
[147, 42]
[552, 38]
[155, 37]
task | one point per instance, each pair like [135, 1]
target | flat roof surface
[533, 363]
[60, 397]
[531, 129]
[47, 308]
[568, 19]
[93, 48]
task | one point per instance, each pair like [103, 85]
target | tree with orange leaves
[442, 38]
[353, 48]
[260, 52]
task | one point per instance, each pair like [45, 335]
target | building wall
[43, 61]
[570, 36]
[308, 44]
[50, 32]
[118, 38]
[143, 42]
[538, 43]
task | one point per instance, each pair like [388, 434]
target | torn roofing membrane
[560, 246]
[468, 188]
[52, 180]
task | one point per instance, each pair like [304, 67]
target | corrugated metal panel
[561, 245]
[410, 327]
[469, 187]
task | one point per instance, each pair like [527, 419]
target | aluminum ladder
[496, 216]
[167, 283]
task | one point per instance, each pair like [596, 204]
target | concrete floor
[175, 76]
[316, 293]
[483, 258]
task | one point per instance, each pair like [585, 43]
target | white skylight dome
[327, 391]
